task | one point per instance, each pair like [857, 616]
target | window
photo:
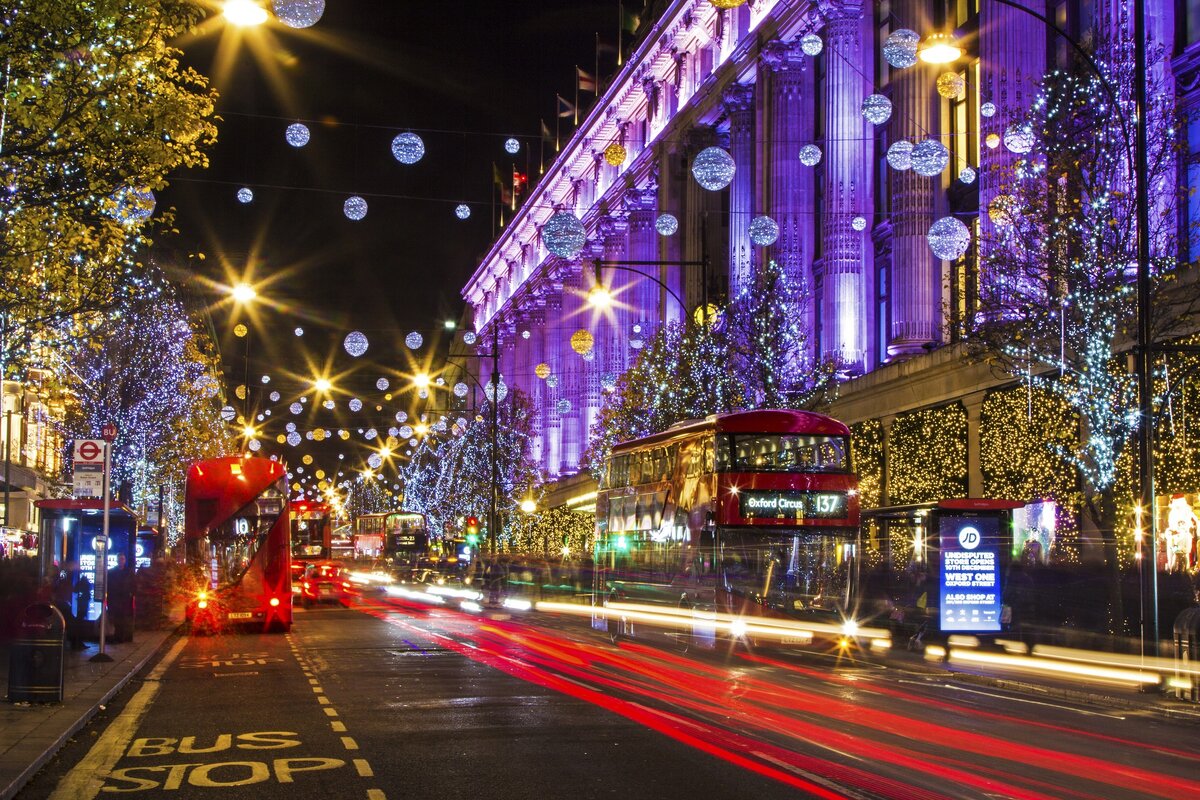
[787, 452]
[1190, 239]
[883, 320]
[1188, 14]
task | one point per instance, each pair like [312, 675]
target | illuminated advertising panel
[970, 573]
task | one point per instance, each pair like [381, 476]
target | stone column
[847, 135]
[973, 404]
[642, 295]
[612, 325]
[915, 289]
[788, 185]
[573, 379]
[739, 107]
[537, 387]
[553, 357]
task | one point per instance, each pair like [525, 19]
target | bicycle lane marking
[85, 778]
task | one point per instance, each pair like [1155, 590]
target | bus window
[787, 453]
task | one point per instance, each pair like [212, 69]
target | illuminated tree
[928, 455]
[97, 112]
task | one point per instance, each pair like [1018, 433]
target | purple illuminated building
[850, 227]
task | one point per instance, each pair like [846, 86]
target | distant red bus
[311, 529]
[749, 514]
[237, 541]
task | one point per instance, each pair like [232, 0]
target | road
[391, 699]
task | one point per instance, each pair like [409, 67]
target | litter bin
[1187, 655]
[35, 666]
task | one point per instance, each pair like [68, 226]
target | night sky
[464, 76]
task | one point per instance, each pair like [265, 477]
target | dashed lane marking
[318, 690]
[376, 794]
[331, 712]
[338, 727]
[323, 700]
[364, 769]
[349, 743]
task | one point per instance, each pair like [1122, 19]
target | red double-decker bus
[236, 534]
[311, 529]
[738, 519]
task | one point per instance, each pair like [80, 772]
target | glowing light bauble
[563, 407]
[811, 44]
[406, 432]
[355, 343]
[298, 13]
[355, 208]
[343, 434]
[382, 384]
[461, 389]
[401, 416]
[876, 109]
[133, 205]
[274, 397]
[582, 341]
[240, 330]
[299, 331]
[929, 157]
[414, 340]
[1000, 210]
[462, 211]
[967, 175]
[320, 434]
[328, 404]
[764, 231]
[542, 370]
[615, 155]
[370, 433]
[992, 140]
[950, 85]
[293, 439]
[500, 390]
[552, 381]
[266, 379]
[296, 408]
[228, 413]
[297, 134]
[949, 238]
[245, 195]
[859, 223]
[512, 146]
[810, 155]
[254, 444]
[899, 155]
[590, 355]
[469, 337]
[291, 426]
[307, 460]
[666, 225]
[637, 343]
[525, 334]
[713, 168]
[608, 381]
[374, 461]
[1018, 138]
[564, 235]
[355, 404]
[408, 148]
[442, 381]
[900, 49]
[988, 109]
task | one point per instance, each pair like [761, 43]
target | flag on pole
[565, 107]
[505, 191]
[586, 82]
[519, 182]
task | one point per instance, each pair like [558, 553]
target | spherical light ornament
[401, 416]
[240, 391]
[291, 426]
[764, 231]
[355, 208]
[299, 13]
[245, 195]
[343, 434]
[461, 389]
[355, 343]
[299, 331]
[293, 439]
[355, 404]
[552, 381]
[564, 235]
[469, 337]
[988, 109]
[406, 432]
[589, 356]
[967, 175]
[240, 330]
[228, 413]
[542, 370]
[296, 408]
[949, 238]
[462, 211]
[666, 225]
[929, 157]
[525, 334]
[274, 397]
[992, 140]
[501, 391]
[133, 205]
[1018, 138]
[382, 384]
[582, 341]
[811, 44]
[637, 343]
[608, 381]
[899, 155]
[320, 434]
[810, 155]
[266, 379]
[254, 444]
[307, 460]
[297, 134]
[512, 146]
[900, 49]
[563, 407]
[1001, 209]
[408, 148]
[370, 433]
[615, 154]
[713, 168]
[950, 85]
[374, 461]
[329, 404]
[859, 223]
[876, 109]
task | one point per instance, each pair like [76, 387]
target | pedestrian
[72, 593]
[122, 588]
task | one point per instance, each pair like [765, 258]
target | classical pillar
[788, 185]
[739, 107]
[572, 387]
[642, 295]
[915, 288]
[973, 405]
[553, 357]
[843, 293]
[537, 387]
[612, 325]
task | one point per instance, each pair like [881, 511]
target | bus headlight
[274, 602]
[737, 628]
[202, 604]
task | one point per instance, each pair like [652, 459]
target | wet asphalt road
[388, 699]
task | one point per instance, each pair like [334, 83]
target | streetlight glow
[249, 432]
[244, 13]
[322, 385]
[421, 380]
[528, 506]
[243, 293]
[939, 48]
[599, 296]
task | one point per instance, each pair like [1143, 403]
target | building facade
[762, 81]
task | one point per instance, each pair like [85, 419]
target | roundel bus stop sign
[108, 431]
[89, 451]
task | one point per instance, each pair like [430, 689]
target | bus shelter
[70, 531]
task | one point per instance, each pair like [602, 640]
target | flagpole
[620, 32]
[596, 74]
[542, 148]
[494, 199]
[576, 95]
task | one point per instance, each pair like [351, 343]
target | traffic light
[473, 530]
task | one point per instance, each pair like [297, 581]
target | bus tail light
[202, 604]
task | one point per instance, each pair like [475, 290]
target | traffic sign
[108, 431]
[88, 451]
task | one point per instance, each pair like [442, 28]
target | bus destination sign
[792, 504]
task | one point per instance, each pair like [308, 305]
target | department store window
[1188, 14]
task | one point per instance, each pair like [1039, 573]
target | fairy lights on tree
[928, 455]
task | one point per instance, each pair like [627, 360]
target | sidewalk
[30, 735]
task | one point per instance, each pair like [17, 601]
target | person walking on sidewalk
[122, 589]
[72, 593]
